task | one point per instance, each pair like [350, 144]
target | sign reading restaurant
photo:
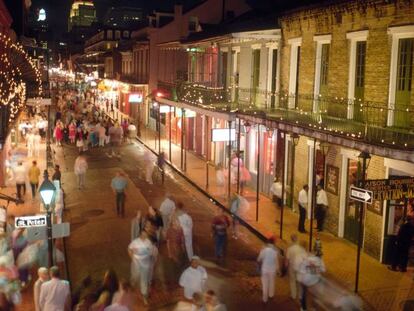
[30, 221]
[391, 189]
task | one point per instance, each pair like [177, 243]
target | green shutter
[323, 82]
[359, 80]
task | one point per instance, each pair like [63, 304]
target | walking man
[295, 253]
[118, 185]
[193, 279]
[167, 209]
[101, 135]
[43, 277]
[219, 227]
[276, 191]
[55, 294]
[186, 223]
[269, 265]
[80, 168]
[303, 206]
[34, 174]
[321, 207]
[20, 178]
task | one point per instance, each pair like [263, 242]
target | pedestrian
[115, 133]
[118, 184]
[72, 132]
[132, 132]
[235, 209]
[58, 133]
[143, 254]
[269, 264]
[219, 227]
[295, 253]
[196, 304]
[29, 141]
[124, 297]
[402, 245]
[212, 302]
[79, 139]
[101, 135]
[194, 278]
[167, 209]
[43, 275]
[175, 241]
[20, 179]
[136, 226]
[37, 139]
[149, 166]
[186, 223]
[276, 190]
[80, 168]
[57, 175]
[321, 207]
[303, 206]
[34, 173]
[161, 163]
[309, 274]
[55, 294]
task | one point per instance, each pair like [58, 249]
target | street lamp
[295, 141]
[48, 193]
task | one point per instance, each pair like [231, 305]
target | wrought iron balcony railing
[372, 122]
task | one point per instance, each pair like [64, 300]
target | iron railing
[356, 119]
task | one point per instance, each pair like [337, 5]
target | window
[323, 84]
[360, 69]
[193, 23]
[126, 34]
[117, 34]
[109, 34]
[321, 68]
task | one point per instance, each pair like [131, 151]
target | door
[297, 78]
[255, 75]
[359, 81]
[352, 207]
[268, 140]
[404, 80]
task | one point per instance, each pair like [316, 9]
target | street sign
[361, 195]
[40, 233]
[30, 221]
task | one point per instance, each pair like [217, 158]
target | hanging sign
[135, 98]
[223, 135]
[391, 189]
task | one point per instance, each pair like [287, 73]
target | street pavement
[99, 239]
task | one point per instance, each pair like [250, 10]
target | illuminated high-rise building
[82, 13]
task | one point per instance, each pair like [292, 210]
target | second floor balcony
[370, 122]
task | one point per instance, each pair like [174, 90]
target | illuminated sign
[223, 135]
[42, 15]
[135, 98]
[164, 109]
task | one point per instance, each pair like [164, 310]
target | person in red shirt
[219, 227]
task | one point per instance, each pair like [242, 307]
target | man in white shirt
[276, 190]
[321, 207]
[37, 139]
[269, 265]
[303, 205]
[193, 279]
[101, 135]
[80, 169]
[295, 253]
[20, 179]
[186, 223]
[167, 209]
[55, 294]
[43, 277]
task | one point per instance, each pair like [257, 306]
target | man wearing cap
[193, 279]
[269, 264]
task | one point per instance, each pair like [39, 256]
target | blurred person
[186, 223]
[59, 205]
[102, 136]
[119, 184]
[303, 206]
[167, 209]
[219, 227]
[58, 133]
[136, 225]
[55, 293]
[244, 177]
[18, 244]
[125, 296]
[80, 168]
[20, 179]
[321, 207]
[309, 275]
[79, 140]
[212, 302]
[196, 304]
[193, 279]
[43, 276]
[132, 132]
[149, 167]
[30, 141]
[276, 190]
[175, 241]
[37, 139]
[235, 205]
[106, 291]
[115, 133]
[295, 253]
[57, 175]
[402, 245]
[161, 164]
[72, 132]
[143, 254]
[268, 260]
[34, 173]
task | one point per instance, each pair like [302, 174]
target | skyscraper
[82, 13]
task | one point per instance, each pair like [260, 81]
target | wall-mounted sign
[30, 221]
[135, 98]
[223, 135]
[391, 189]
[164, 109]
[332, 179]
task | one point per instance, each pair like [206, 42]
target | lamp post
[365, 157]
[48, 192]
[295, 141]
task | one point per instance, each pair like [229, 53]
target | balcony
[363, 121]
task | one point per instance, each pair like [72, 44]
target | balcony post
[258, 172]
[207, 143]
[169, 142]
[229, 155]
[238, 155]
[283, 183]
